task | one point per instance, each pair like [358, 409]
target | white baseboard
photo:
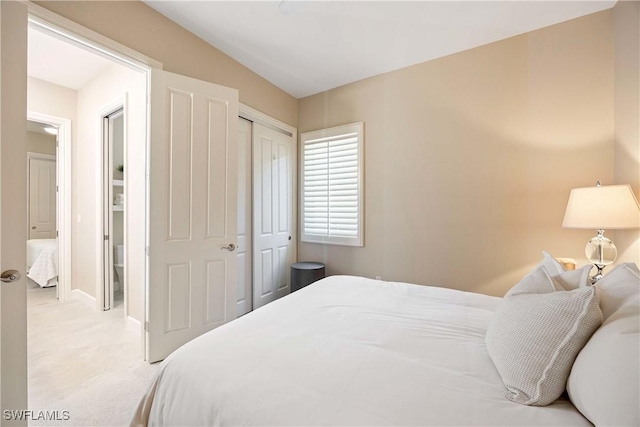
[134, 325]
[84, 297]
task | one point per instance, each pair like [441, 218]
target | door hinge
[146, 326]
[56, 233]
[146, 250]
[57, 189]
[106, 237]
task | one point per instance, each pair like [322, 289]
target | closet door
[272, 213]
[244, 250]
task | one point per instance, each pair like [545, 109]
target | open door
[192, 218]
[13, 212]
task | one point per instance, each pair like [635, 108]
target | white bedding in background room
[42, 261]
[346, 351]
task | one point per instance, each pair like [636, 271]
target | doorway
[104, 88]
[114, 218]
[94, 108]
[59, 134]
[42, 207]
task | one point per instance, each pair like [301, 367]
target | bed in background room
[42, 261]
[354, 351]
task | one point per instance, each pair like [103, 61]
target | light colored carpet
[82, 361]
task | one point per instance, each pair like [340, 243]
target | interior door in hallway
[245, 267]
[13, 210]
[272, 213]
[193, 178]
[42, 198]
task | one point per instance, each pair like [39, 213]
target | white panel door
[245, 268]
[272, 214]
[42, 198]
[13, 210]
[191, 286]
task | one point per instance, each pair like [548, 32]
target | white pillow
[536, 333]
[605, 380]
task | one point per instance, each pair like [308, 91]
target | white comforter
[345, 351]
[42, 261]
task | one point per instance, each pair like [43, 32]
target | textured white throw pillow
[537, 331]
[605, 380]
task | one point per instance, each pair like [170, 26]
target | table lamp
[602, 207]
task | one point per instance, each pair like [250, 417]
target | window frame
[358, 240]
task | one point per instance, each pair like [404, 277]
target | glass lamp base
[601, 252]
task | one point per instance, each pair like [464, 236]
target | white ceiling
[61, 63]
[308, 46]
[305, 46]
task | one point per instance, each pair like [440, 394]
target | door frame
[62, 28]
[63, 206]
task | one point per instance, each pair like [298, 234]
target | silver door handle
[10, 276]
[230, 248]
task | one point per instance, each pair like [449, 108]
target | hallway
[82, 361]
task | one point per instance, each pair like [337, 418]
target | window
[332, 181]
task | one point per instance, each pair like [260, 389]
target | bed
[346, 351]
[42, 261]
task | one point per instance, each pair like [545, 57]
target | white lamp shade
[606, 207]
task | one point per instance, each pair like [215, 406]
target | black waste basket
[305, 273]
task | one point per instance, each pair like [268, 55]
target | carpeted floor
[82, 361]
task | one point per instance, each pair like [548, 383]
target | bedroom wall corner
[626, 15]
[470, 158]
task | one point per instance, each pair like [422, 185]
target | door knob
[10, 276]
[33, 228]
[230, 248]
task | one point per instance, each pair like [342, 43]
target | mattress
[345, 351]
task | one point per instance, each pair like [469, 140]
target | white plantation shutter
[332, 185]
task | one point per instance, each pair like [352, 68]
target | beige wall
[41, 143]
[626, 16]
[139, 27]
[112, 86]
[47, 98]
[470, 158]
